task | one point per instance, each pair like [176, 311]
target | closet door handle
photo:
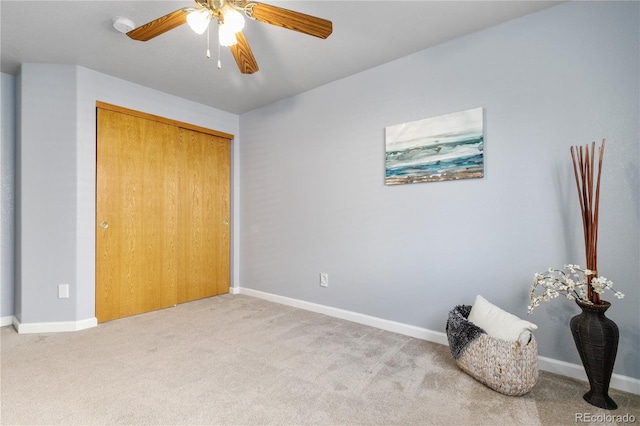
[104, 225]
[225, 222]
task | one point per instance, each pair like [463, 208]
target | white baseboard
[396, 327]
[53, 327]
[8, 320]
[575, 371]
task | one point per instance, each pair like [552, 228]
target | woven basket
[504, 366]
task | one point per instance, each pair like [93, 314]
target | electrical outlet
[63, 291]
[324, 279]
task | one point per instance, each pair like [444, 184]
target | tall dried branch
[589, 197]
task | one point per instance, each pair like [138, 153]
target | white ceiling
[365, 34]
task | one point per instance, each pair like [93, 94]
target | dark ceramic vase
[596, 338]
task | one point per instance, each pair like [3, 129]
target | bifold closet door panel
[203, 228]
[136, 215]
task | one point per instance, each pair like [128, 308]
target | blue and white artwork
[447, 147]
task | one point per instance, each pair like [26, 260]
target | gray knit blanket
[460, 331]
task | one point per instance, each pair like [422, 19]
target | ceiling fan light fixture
[226, 35]
[232, 18]
[199, 19]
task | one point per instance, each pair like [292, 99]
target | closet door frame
[181, 124]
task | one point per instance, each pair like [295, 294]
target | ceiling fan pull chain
[208, 38]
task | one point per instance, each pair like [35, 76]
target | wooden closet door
[137, 215]
[162, 213]
[203, 228]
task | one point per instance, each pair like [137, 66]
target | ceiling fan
[229, 15]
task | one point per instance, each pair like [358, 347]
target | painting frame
[435, 149]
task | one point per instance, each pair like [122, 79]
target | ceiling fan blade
[160, 26]
[243, 55]
[291, 20]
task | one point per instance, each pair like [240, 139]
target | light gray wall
[46, 211]
[7, 191]
[56, 180]
[313, 195]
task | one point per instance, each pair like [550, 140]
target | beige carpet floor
[237, 360]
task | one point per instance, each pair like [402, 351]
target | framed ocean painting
[447, 147]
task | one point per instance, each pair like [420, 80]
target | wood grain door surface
[203, 231]
[162, 215]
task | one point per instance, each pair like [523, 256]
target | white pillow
[498, 323]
